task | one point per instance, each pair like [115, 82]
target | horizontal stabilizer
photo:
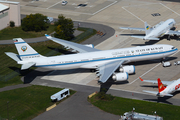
[158, 94]
[168, 95]
[152, 92]
[141, 37]
[13, 56]
[27, 65]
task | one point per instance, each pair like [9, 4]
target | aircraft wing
[171, 32]
[78, 47]
[106, 70]
[129, 28]
[143, 37]
[155, 81]
[152, 92]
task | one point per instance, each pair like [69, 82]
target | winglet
[47, 36]
[161, 87]
[141, 79]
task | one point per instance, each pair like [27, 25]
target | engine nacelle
[130, 69]
[120, 76]
[89, 45]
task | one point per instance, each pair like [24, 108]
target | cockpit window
[173, 48]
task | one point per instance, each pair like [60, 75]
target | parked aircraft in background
[171, 87]
[105, 62]
[159, 30]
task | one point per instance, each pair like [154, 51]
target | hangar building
[9, 11]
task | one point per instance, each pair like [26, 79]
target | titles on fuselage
[170, 23]
[34, 56]
[138, 50]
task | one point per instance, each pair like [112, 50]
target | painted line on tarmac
[105, 7]
[150, 69]
[147, 3]
[144, 73]
[133, 14]
[54, 4]
[170, 9]
[129, 91]
[72, 11]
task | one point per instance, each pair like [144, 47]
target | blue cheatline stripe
[127, 75]
[106, 59]
[29, 55]
[19, 42]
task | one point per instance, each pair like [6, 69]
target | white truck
[177, 63]
[60, 95]
[166, 64]
[139, 116]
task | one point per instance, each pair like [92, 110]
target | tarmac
[113, 13]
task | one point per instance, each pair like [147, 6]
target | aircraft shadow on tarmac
[106, 86]
[147, 42]
[62, 50]
[170, 0]
[32, 75]
[132, 34]
[160, 100]
[36, 73]
[163, 99]
[148, 62]
[151, 42]
[151, 86]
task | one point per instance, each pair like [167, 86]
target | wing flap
[108, 69]
[75, 46]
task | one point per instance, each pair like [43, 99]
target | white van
[60, 95]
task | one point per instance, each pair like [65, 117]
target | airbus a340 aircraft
[159, 30]
[105, 62]
[171, 87]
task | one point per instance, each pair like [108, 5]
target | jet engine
[130, 69]
[120, 76]
[89, 45]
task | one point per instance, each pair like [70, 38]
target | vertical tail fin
[161, 87]
[25, 51]
[147, 28]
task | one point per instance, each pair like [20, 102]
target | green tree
[12, 24]
[34, 22]
[64, 28]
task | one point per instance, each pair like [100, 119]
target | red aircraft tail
[161, 87]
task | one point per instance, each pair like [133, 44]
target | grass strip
[87, 33]
[10, 73]
[26, 103]
[119, 106]
[17, 32]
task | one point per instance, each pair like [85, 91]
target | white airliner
[171, 87]
[159, 30]
[105, 62]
